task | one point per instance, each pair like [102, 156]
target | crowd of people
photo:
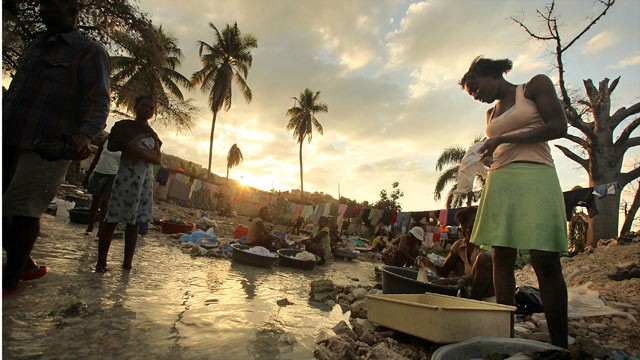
[58, 101]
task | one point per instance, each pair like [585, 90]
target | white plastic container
[439, 318]
[479, 347]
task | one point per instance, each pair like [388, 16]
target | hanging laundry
[603, 190]
[580, 197]
[451, 216]
[402, 222]
[327, 209]
[342, 208]
[442, 217]
[349, 212]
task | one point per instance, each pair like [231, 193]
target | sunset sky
[388, 72]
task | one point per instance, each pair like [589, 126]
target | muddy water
[170, 306]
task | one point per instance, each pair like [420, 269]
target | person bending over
[404, 249]
[320, 241]
[469, 264]
[259, 235]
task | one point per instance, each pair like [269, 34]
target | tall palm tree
[452, 157]
[149, 68]
[229, 58]
[234, 158]
[302, 120]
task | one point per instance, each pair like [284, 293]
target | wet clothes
[580, 197]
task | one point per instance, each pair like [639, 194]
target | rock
[322, 290]
[383, 351]
[375, 291]
[359, 293]
[324, 335]
[337, 347]
[359, 309]
[368, 338]
[284, 302]
[365, 323]
[342, 328]
[330, 303]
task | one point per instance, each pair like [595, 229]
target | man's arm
[93, 75]
[94, 162]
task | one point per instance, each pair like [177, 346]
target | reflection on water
[170, 306]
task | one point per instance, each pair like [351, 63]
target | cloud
[626, 62]
[388, 72]
[600, 42]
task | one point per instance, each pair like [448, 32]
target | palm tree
[452, 156]
[234, 157]
[149, 68]
[229, 58]
[302, 121]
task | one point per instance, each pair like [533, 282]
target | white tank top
[109, 161]
[522, 116]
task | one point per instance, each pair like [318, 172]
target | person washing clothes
[320, 241]
[469, 264]
[259, 235]
[522, 205]
[404, 249]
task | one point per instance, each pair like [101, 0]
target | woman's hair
[463, 216]
[486, 67]
[143, 97]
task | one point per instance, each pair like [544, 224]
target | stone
[359, 309]
[342, 328]
[337, 347]
[324, 335]
[359, 293]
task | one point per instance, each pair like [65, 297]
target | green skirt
[522, 207]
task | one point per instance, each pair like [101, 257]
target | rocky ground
[614, 335]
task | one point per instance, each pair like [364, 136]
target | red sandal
[34, 274]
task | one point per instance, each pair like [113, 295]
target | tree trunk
[605, 224]
[301, 179]
[213, 127]
[628, 221]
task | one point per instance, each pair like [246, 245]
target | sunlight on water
[171, 305]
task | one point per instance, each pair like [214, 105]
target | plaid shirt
[61, 87]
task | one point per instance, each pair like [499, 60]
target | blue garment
[61, 87]
[162, 177]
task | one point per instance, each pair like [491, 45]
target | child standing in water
[132, 196]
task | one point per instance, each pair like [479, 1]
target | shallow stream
[170, 306]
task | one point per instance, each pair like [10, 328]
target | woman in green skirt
[522, 206]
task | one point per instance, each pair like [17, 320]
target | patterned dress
[132, 196]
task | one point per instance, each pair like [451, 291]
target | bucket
[240, 232]
[478, 347]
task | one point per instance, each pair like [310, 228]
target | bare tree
[593, 119]
[631, 211]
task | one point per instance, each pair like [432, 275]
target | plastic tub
[439, 318]
[241, 255]
[345, 253]
[478, 347]
[176, 228]
[286, 258]
[80, 215]
[399, 280]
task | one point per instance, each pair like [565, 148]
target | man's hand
[81, 149]
[488, 148]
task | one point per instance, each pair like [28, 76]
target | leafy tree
[234, 158]
[98, 19]
[450, 158]
[302, 120]
[149, 67]
[389, 201]
[592, 117]
[228, 58]
[123, 29]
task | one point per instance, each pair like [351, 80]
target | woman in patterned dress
[132, 196]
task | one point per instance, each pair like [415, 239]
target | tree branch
[607, 4]
[578, 140]
[635, 141]
[624, 113]
[573, 156]
[625, 178]
[626, 133]
[538, 37]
